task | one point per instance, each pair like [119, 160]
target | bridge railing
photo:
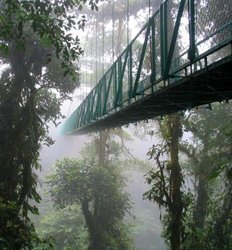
[182, 37]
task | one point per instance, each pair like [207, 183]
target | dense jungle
[159, 183]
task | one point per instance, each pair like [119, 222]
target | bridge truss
[181, 58]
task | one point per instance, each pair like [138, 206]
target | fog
[149, 219]
[157, 184]
[106, 36]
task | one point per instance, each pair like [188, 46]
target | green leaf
[45, 40]
[66, 72]
[214, 175]
[4, 49]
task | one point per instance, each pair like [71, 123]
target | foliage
[209, 162]
[99, 191]
[211, 132]
[43, 244]
[66, 227]
[51, 22]
[207, 205]
[21, 228]
[166, 179]
[35, 44]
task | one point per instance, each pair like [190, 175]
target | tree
[66, 227]
[208, 152]
[35, 44]
[99, 191]
[166, 181]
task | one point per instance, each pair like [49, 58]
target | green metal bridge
[181, 58]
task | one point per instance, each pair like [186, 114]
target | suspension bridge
[180, 59]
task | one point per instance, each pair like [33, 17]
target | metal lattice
[213, 23]
[182, 40]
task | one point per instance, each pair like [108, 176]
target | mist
[151, 81]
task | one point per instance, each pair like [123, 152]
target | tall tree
[208, 152]
[166, 180]
[99, 191]
[35, 36]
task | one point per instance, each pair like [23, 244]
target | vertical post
[120, 80]
[77, 115]
[164, 36]
[113, 51]
[84, 112]
[174, 39]
[103, 39]
[115, 82]
[192, 47]
[130, 72]
[96, 48]
[91, 96]
[91, 63]
[88, 109]
[153, 54]
[97, 104]
[100, 97]
[104, 94]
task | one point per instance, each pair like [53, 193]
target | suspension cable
[96, 48]
[128, 19]
[113, 22]
[91, 60]
[103, 39]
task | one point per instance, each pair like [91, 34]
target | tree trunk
[93, 227]
[200, 210]
[103, 136]
[176, 206]
[199, 213]
[222, 226]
